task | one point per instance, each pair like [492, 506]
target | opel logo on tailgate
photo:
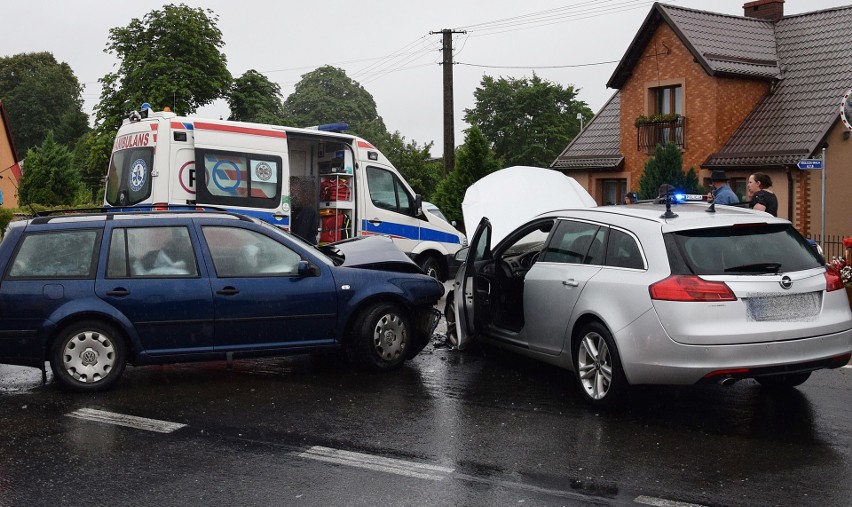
[786, 282]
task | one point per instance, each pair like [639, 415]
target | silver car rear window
[741, 249]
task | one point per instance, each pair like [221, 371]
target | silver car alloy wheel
[594, 366]
[390, 336]
[88, 357]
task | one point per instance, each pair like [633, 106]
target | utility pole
[449, 117]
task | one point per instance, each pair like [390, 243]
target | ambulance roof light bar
[330, 127]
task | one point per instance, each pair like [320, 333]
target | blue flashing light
[145, 106]
[679, 197]
[333, 127]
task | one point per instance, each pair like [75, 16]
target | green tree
[41, 95]
[528, 121]
[92, 177]
[171, 57]
[413, 161]
[255, 98]
[50, 177]
[328, 95]
[666, 166]
[474, 160]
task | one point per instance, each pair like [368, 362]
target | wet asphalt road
[469, 428]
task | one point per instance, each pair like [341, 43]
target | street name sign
[810, 163]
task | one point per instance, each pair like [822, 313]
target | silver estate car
[653, 294]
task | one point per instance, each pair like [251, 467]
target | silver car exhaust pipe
[728, 381]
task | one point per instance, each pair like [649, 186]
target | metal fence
[649, 135]
[832, 246]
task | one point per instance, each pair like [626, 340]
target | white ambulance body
[161, 159]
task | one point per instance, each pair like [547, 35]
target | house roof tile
[791, 122]
[805, 56]
[598, 146]
[722, 44]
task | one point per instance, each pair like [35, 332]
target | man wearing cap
[722, 193]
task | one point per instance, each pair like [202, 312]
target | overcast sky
[385, 45]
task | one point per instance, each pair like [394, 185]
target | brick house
[10, 171]
[744, 94]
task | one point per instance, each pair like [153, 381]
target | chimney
[770, 10]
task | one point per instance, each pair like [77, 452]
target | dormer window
[668, 100]
[664, 122]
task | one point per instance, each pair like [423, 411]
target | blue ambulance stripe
[409, 232]
[439, 236]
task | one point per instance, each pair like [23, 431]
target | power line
[570, 66]
[498, 28]
[548, 12]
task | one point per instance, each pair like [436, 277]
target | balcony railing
[652, 133]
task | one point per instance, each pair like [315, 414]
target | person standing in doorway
[761, 197]
[722, 193]
[305, 216]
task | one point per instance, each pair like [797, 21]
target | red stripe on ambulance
[240, 130]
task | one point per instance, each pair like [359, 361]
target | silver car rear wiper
[760, 267]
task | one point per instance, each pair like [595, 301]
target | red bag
[334, 227]
[335, 189]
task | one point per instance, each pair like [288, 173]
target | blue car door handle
[228, 291]
[118, 292]
[571, 283]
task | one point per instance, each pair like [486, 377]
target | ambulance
[161, 160]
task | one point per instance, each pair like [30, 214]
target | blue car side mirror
[305, 268]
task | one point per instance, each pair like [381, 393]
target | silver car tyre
[450, 317]
[597, 365]
[88, 356]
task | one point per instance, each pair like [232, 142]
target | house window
[613, 191]
[668, 100]
[665, 122]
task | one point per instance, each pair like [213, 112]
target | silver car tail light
[690, 288]
[833, 281]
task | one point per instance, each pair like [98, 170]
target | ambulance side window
[388, 192]
[238, 179]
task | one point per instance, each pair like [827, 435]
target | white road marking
[660, 502]
[378, 463]
[140, 423]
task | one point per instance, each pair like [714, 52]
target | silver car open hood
[513, 196]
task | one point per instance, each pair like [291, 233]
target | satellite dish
[846, 109]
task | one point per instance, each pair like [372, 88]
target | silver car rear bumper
[650, 356]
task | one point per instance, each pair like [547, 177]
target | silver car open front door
[472, 293]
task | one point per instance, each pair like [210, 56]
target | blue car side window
[151, 252]
[59, 254]
[242, 253]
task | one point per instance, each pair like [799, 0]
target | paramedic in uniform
[304, 218]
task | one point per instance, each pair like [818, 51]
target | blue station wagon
[91, 293]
